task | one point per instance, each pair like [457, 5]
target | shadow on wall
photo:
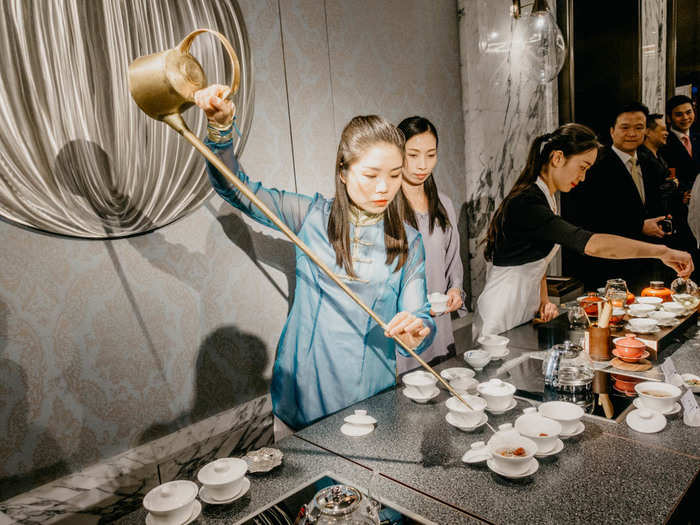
[261, 248]
[26, 450]
[230, 367]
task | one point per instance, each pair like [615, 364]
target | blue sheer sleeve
[288, 206]
[414, 295]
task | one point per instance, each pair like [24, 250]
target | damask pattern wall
[105, 345]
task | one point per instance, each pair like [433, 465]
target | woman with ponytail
[433, 215]
[526, 232]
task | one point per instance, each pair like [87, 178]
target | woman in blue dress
[331, 354]
[433, 215]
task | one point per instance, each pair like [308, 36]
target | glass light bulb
[544, 49]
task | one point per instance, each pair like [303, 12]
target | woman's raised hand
[212, 100]
[680, 261]
[407, 327]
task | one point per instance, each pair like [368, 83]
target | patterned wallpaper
[105, 345]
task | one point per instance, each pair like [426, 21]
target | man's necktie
[688, 146]
[636, 176]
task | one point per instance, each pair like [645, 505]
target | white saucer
[511, 406]
[652, 331]
[599, 365]
[558, 447]
[450, 419]
[580, 427]
[532, 468]
[656, 423]
[436, 392]
[674, 409]
[497, 356]
[196, 510]
[474, 456]
[245, 486]
[356, 430]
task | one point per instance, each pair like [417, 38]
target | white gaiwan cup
[171, 503]
[642, 323]
[462, 414]
[544, 432]
[438, 302]
[654, 301]
[641, 310]
[656, 396]
[464, 384]
[222, 477]
[477, 359]
[673, 307]
[514, 464]
[566, 414]
[498, 394]
[420, 383]
[493, 343]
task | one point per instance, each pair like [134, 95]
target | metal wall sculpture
[77, 156]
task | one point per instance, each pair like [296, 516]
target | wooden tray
[642, 366]
[658, 341]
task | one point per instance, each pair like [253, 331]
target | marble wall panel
[114, 487]
[653, 26]
[503, 112]
[108, 345]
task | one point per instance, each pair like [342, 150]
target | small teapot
[568, 364]
[339, 504]
[163, 84]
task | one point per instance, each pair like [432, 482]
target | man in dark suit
[682, 154]
[682, 150]
[615, 199]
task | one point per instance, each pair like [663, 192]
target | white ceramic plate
[455, 372]
[196, 509]
[580, 427]
[510, 406]
[451, 420]
[673, 410]
[356, 430]
[652, 331]
[245, 486]
[557, 448]
[655, 424]
[435, 393]
[532, 468]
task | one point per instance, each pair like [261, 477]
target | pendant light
[543, 46]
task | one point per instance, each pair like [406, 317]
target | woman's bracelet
[218, 133]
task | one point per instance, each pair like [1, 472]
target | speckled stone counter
[304, 463]
[601, 476]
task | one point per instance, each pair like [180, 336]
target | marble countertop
[305, 463]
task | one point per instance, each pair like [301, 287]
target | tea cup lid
[360, 417]
[222, 471]
[170, 496]
[496, 387]
[478, 445]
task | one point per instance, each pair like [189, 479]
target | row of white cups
[175, 502]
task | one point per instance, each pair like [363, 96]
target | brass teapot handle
[184, 47]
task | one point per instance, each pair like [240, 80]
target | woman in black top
[526, 232]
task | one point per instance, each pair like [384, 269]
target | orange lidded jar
[657, 289]
[589, 303]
